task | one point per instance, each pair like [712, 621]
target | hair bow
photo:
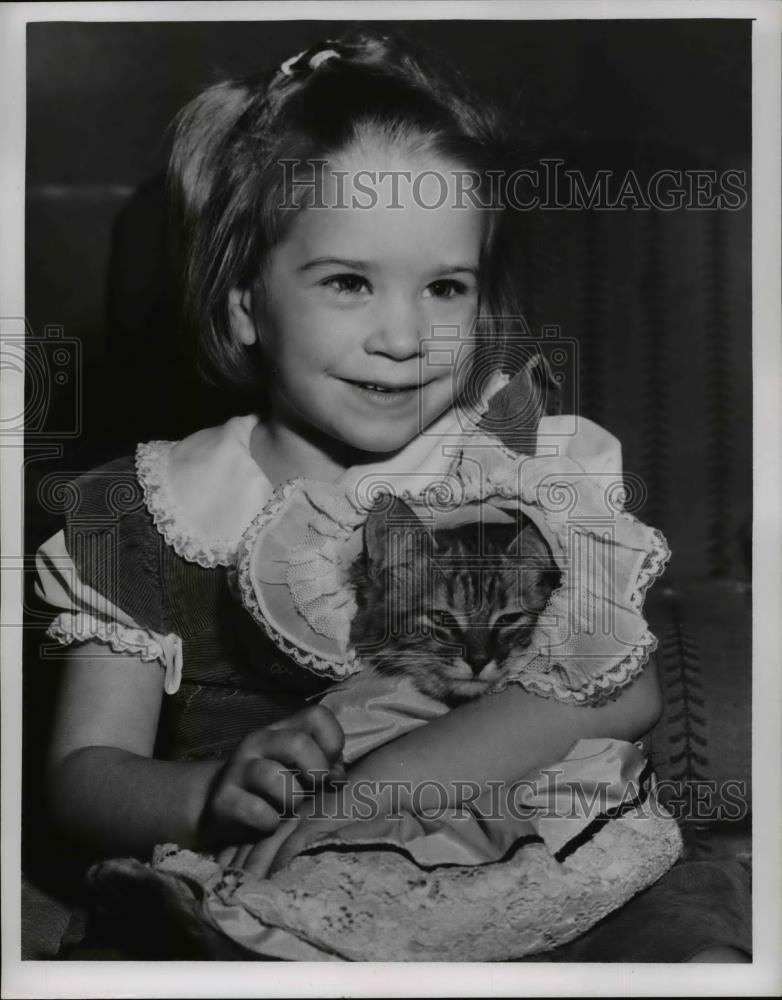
[315, 60]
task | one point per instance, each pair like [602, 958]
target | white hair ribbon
[287, 66]
[321, 57]
[315, 60]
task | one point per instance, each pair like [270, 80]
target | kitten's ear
[514, 411]
[393, 532]
[539, 572]
[529, 544]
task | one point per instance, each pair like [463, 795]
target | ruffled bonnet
[294, 558]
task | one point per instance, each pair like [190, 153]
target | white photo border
[212, 979]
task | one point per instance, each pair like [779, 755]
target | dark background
[656, 305]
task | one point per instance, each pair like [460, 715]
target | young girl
[336, 219]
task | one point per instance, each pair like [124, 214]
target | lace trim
[327, 605]
[543, 673]
[378, 905]
[152, 459]
[323, 600]
[80, 626]
[597, 689]
[311, 661]
[653, 566]
[549, 678]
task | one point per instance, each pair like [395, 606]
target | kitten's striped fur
[447, 608]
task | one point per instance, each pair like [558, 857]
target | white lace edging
[597, 690]
[380, 905]
[653, 566]
[556, 679]
[152, 459]
[70, 627]
[311, 661]
[570, 680]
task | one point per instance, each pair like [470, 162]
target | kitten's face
[448, 609]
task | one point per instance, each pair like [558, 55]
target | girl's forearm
[112, 801]
[498, 738]
[502, 737]
[109, 801]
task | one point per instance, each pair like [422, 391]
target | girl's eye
[445, 288]
[346, 284]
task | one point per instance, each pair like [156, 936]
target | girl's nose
[398, 330]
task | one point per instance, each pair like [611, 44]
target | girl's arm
[108, 795]
[499, 737]
[105, 792]
[503, 736]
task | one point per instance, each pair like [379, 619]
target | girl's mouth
[385, 394]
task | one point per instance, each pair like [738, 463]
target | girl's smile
[365, 315]
[385, 395]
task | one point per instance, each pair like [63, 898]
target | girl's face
[365, 312]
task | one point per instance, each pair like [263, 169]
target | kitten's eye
[442, 625]
[445, 620]
[510, 619]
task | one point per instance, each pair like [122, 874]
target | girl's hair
[227, 184]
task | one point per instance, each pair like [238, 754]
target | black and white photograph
[391, 485]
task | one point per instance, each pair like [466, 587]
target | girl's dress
[186, 556]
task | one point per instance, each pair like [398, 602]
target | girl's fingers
[262, 855]
[275, 782]
[299, 751]
[321, 724]
[246, 811]
[234, 857]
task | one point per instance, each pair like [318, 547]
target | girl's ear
[240, 310]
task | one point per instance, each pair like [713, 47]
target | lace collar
[204, 490]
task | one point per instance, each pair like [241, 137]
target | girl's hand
[306, 832]
[270, 772]
[315, 817]
[258, 856]
[268, 855]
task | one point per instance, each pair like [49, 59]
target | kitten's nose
[479, 659]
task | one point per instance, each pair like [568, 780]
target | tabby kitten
[441, 606]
